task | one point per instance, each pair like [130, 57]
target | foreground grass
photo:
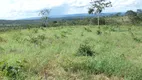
[54, 53]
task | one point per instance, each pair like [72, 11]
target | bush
[13, 72]
[35, 30]
[87, 29]
[99, 32]
[85, 50]
[37, 40]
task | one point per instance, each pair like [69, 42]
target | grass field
[72, 53]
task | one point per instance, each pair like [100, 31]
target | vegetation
[44, 13]
[73, 49]
[133, 17]
[71, 53]
[97, 6]
[139, 13]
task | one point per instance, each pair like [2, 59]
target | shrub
[87, 29]
[99, 32]
[37, 40]
[64, 33]
[13, 72]
[42, 37]
[35, 30]
[85, 50]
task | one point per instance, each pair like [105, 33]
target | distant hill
[36, 20]
[73, 16]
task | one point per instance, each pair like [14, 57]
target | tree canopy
[97, 6]
[132, 16]
[44, 13]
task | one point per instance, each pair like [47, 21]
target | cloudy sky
[17, 9]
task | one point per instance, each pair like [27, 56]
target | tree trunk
[99, 20]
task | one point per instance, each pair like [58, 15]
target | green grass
[55, 53]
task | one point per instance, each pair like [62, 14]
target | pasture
[72, 53]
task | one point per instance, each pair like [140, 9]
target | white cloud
[14, 9]
[118, 6]
[124, 5]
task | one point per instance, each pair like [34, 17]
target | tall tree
[44, 16]
[97, 6]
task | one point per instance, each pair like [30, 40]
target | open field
[72, 53]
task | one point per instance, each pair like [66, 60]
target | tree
[97, 6]
[118, 14]
[130, 13]
[139, 13]
[44, 13]
[132, 16]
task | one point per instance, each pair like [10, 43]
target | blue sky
[17, 9]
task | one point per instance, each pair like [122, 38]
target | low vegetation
[72, 53]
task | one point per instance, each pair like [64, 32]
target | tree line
[96, 7]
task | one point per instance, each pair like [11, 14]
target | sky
[18, 9]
